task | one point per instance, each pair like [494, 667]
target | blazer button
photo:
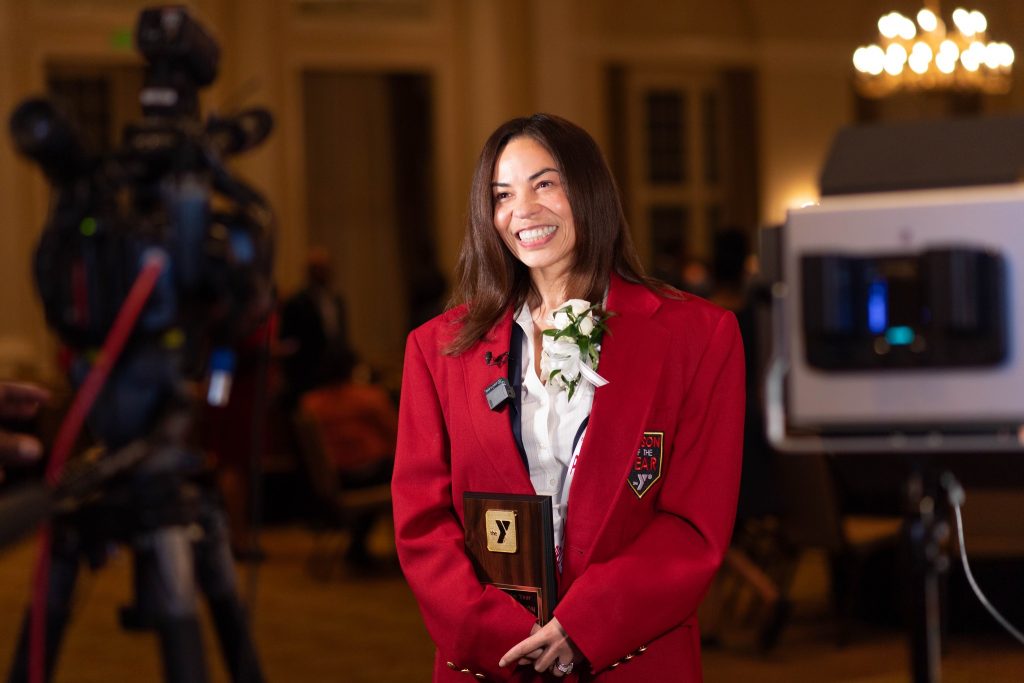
[451, 665]
[643, 649]
[480, 676]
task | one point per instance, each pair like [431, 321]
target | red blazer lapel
[492, 427]
[633, 351]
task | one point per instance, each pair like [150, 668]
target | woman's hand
[548, 647]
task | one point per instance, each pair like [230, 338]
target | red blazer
[636, 565]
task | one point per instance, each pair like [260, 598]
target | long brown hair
[490, 280]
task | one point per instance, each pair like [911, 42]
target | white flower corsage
[571, 348]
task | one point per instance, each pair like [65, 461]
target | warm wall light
[925, 55]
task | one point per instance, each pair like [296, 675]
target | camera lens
[44, 135]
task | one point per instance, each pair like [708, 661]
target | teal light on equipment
[88, 226]
[899, 336]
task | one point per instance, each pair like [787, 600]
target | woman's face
[531, 209]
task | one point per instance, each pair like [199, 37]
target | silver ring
[564, 668]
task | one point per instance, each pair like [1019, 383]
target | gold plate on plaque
[523, 564]
[501, 531]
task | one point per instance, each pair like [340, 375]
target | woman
[642, 460]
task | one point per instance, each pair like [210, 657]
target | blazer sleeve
[472, 625]
[657, 581]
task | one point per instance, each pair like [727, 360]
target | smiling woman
[531, 209]
[577, 186]
[626, 410]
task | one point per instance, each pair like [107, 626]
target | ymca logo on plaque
[501, 531]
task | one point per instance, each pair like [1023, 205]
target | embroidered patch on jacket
[647, 464]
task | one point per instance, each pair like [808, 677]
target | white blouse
[551, 429]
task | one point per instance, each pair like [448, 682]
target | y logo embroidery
[647, 464]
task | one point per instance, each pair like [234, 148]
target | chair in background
[812, 517]
[346, 437]
[745, 606]
[751, 599]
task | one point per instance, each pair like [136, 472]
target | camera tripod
[177, 533]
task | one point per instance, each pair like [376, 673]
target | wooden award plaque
[511, 541]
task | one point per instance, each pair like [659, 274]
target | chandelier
[925, 55]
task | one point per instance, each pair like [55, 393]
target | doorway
[371, 202]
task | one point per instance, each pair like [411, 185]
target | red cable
[113, 345]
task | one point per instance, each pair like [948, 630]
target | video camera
[164, 188]
[894, 320]
[162, 209]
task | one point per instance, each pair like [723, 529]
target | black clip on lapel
[499, 360]
[498, 393]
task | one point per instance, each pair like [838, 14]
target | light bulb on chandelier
[925, 55]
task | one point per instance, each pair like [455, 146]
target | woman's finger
[550, 640]
[524, 648]
[530, 657]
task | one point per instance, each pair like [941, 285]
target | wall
[488, 59]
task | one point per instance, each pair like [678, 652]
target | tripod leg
[165, 565]
[923, 532]
[181, 643]
[64, 566]
[215, 572]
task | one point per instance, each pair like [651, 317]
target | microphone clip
[499, 360]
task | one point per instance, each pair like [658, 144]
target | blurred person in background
[314, 341]
[731, 265]
[356, 426]
[695, 277]
[752, 562]
[355, 421]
